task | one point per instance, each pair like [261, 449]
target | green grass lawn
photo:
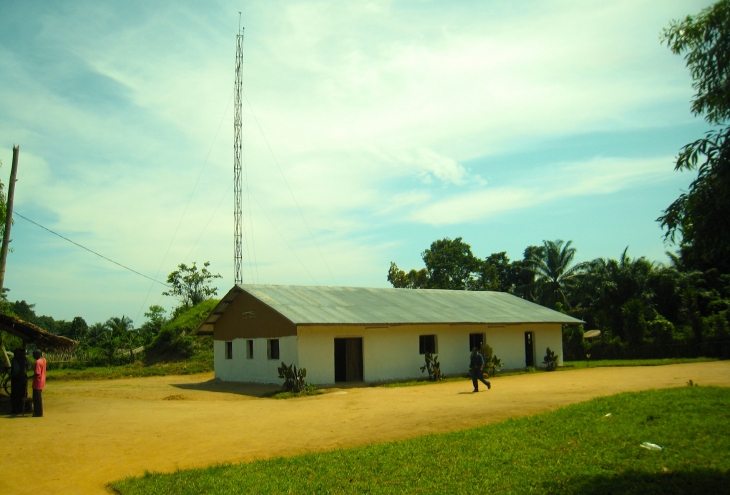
[574, 450]
[632, 362]
[197, 364]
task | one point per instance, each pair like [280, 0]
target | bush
[170, 345]
[293, 378]
[174, 342]
[551, 360]
[433, 366]
[660, 330]
[491, 362]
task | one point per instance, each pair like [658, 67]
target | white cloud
[372, 110]
[599, 176]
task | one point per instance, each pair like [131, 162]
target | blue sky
[393, 124]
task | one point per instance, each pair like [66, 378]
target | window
[476, 340]
[229, 350]
[249, 349]
[273, 348]
[427, 344]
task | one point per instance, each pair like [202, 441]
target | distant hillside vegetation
[174, 342]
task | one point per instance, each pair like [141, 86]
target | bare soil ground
[94, 432]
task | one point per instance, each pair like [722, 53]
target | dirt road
[98, 431]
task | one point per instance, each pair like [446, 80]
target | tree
[497, 273]
[74, 329]
[190, 285]
[411, 280]
[553, 273]
[155, 319]
[450, 264]
[701, 216]
[487, 277]
[523, 281]
[96, 333]
[119, 326]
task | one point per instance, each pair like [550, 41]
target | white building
[361, 334]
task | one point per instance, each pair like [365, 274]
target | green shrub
[174, 341]
[170, 345]
[433, 366]
[551, 360]
[293, 378]
[493, 364]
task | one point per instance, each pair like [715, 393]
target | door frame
[529, 349]
[340, 363]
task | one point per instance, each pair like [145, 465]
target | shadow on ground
[238, 388]
[262, 390]
[700, 481]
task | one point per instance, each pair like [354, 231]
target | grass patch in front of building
[198, 363]
[567, 366]
[589, 448]
[633, 362]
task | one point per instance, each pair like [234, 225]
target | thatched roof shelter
[32, 334]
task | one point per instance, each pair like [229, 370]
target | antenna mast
[237, 152]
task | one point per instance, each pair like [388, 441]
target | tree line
[643, 308]
[117, 340]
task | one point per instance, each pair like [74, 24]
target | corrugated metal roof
[312, 305]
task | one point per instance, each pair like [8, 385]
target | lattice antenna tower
[237, 152]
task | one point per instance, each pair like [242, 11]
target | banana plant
[293, 377]
[433, 366]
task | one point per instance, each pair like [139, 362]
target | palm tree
[119, 326]
[96, 333]
[554, 275]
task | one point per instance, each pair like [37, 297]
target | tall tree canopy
[554, 275]
[190, 285]
[450, 264]
[701, 216]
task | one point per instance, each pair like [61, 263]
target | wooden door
[348, 360]
[529, 349]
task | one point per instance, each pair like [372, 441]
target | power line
[187, 205]
[287, 186]
[89, 250]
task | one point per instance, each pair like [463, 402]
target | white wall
[389, 353]
[392, 353]
[508, 344]
[260, 369]
[548, 336]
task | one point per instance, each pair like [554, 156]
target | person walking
[476, 365]
[39, 382]
[18, 382]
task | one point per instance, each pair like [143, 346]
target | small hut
[32, 334]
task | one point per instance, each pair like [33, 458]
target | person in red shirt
[39, 382]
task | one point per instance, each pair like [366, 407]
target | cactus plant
[293, 377]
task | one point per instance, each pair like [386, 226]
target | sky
[370, 130]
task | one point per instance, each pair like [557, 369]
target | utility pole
[8, 216]
[6, 234]
[237, 152]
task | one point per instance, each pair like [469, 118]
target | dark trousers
[477, 374]
[37, 402]
[18, 391]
